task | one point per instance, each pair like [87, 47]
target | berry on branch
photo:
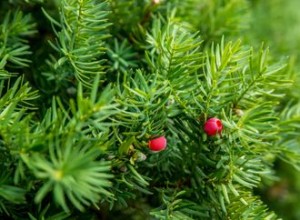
[213, 126]
[158, 144]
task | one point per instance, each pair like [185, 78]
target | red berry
[158, 144]
[213, 126]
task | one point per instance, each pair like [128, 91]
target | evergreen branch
[135, 181]
[176, 208]
[73, 161]
[262, 78]
[174, 53]
[19, 95]
[80, 41]
[10, 193]
[94, 114]
[13, 45]
[254, 209]
[288, 146]
[145, 99]
[121, 56]
[15, 125]
[164, 82]
[222, 74]
[72, 171]
[258, 126]
[42, 214]
[229, 76]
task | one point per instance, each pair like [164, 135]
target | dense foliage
[85, 84]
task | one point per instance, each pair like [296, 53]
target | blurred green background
[277, 24]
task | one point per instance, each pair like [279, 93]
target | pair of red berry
[212, 127]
